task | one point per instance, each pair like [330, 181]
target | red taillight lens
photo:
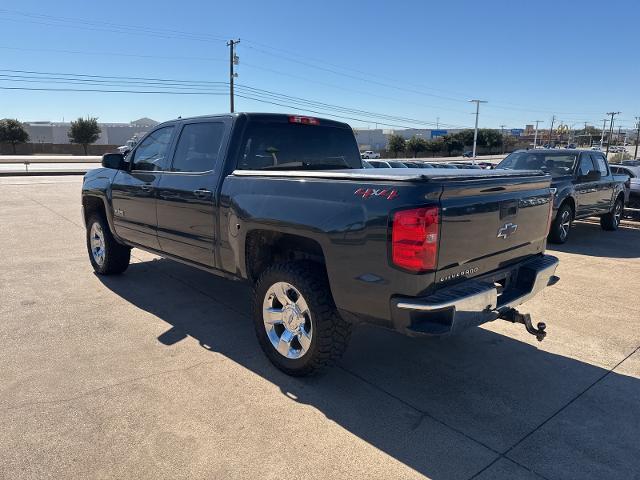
[414, 238]
[304, 120]
[550, 215]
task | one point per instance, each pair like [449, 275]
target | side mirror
[592, 176]
[114, 160]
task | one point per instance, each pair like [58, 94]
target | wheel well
[571, 202]
[620, 197]
[92, 205]
[264, 248]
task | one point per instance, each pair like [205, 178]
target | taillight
[550, 215]
[414, 238]
[303, 120]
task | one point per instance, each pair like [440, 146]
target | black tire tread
[117, 256]
[554, 231]
[331, 331]
[607, 221]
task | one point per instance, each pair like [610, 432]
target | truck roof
[263, 116]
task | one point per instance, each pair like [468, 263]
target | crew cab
[284, 203]
[583, 184]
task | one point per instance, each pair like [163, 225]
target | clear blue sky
[529, 60]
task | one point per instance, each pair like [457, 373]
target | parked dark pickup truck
[284, 203]
[583, 183]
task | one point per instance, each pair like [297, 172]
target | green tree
[397, 144]
[452, 143]
[434, 146]
[464, 136]
[84, 131]
[416, 145]
[489, 138]
[13, 132]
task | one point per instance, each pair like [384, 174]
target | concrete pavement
[157, 374]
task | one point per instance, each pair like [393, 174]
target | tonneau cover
[391, 174]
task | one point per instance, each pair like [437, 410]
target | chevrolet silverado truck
[283, 202]
[583, 185]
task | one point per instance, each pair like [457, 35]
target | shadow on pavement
[441, 407]
[587, 238]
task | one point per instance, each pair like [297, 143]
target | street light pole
[613, 114]
[475, 130]
[233, 60]
[604, 126]
[502, 137]
[535, 137]
[553, 119]
[635, 155]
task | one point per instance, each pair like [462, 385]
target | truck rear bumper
[475, 301]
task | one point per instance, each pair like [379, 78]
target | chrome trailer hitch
[513, 316]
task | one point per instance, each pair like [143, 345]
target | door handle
[146, 187]
[202, 193]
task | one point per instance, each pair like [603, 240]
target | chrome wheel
[617, 214]
[565, 224]
[287, 320]
[96, 237]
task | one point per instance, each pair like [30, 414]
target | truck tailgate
[489, 223]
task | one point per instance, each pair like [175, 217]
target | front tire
[106, 254]
[296, 320]
[611, 220]
[561, 225]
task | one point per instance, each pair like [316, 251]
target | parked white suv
[369, 154]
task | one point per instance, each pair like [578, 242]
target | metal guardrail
[29, 159]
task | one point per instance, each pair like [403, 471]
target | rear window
[268, 145]
[556, 164]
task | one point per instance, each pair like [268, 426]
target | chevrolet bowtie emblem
[507, 230]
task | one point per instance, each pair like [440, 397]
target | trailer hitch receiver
[513, 316]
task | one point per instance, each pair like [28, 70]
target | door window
[198, 148]
[151, 154]
[586, 165]
[601, 164]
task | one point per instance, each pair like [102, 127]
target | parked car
[633, 172]
[387, 164]
[486, 165]
[283, 203]
[417, 165]
[465, 165]
[369, 154]
[584, 186]
[596, 148]
[468, 154]
[442, 165]
[366, 164]
[571, 146]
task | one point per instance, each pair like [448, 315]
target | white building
[112, 133]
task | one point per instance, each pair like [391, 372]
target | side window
[600, 163]
[151, 154]
[198, 148]
[586, 165]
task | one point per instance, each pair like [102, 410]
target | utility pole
[437, 122]
[604, 127]
[233, 60]
[553, 119]
[502, 137]
[613, 114]
[475, 131]
[535, 137]
[635, 155]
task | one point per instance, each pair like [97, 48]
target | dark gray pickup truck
[282, 201]
[583, 184]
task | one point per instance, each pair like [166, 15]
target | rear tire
[611, 220]
[296, 320]
[106, 254]
[561, 225]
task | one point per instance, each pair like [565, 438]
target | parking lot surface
[157, 373]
